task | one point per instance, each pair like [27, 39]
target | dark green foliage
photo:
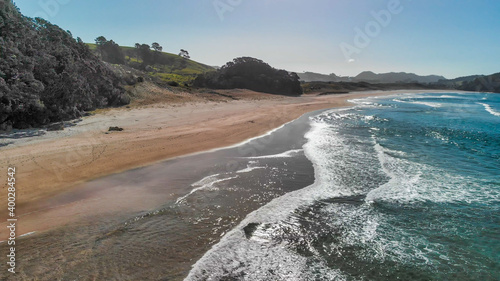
[490, 83]
[253, 74]
[156, 47]
[184, 54]
[145, 54]
[46, 75]
[110, 51]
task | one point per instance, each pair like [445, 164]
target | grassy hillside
[173, 68]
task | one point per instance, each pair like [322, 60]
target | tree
[184, 54]
[156, 47]
[144, 52]
[110, 51]
[101, 40]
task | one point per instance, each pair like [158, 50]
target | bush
[253, 74]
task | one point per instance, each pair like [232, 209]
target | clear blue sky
[445, 37]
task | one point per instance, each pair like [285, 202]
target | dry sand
[56, 162]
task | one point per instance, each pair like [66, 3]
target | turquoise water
[426, 169]
[406, 188]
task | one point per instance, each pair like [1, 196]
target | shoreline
[57, 164]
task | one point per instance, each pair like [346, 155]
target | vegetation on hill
[163, 68]
[489, 83]
[456, 83]
[46, 75]
[253, 74]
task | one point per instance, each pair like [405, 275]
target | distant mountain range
[396, 77]
[371, 77]
[482, 83]
[317, 77]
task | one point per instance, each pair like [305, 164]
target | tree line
[111, 52]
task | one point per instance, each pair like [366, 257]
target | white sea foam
[490, 109]
[249, 169]
[28, 234]
[430, 104]
[413, 182]
[286, 154]
[204, 184]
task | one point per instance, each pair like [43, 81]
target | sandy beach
[57, 161]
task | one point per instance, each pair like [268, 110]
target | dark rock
[250, 229]
[118, 129]
[55, 126]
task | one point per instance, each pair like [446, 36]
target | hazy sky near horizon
[345, 37]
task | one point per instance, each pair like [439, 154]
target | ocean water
[406, 188]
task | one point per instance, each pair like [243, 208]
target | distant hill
[457, 82]
[395, 77]
[371, 77]
[488, 83]
[317, 77]
[463, 78]
[330, 88]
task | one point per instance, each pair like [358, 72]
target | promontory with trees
[253, 74]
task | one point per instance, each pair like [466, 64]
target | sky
[444, 37]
